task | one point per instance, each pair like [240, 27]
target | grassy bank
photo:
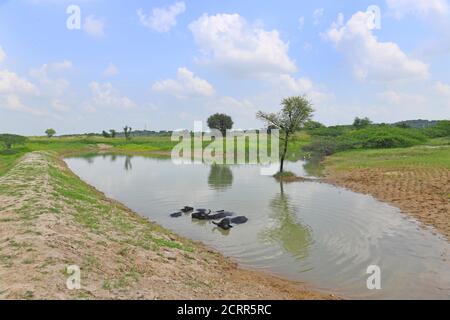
[424, 156]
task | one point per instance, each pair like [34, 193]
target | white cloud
[111, 70]
[442, 89]
[421, 8]
[185, 85]
[14, 103]
[230, 42]
[105, 95]
[300, 86]
[372, 59]
[402, 98]
[317, 15]
[162, 19]
[94, 27]
[11, 83]
[48, 76]
[59, 106]
[2, 55]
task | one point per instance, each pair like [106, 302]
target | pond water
[305, 231]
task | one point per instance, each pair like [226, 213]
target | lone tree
[220, 122]
[295, 112]
[127, 132]
[50, 132]
[360, 123]
[112, 133]
[8, 140]
[105, 134]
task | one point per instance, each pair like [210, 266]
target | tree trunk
[283, 155]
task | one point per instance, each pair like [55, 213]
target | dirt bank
[423, 193]
[49, 220]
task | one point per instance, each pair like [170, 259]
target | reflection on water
[128, 166]
[285, 227]
[305, 231]
[220, 177]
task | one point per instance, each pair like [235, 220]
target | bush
[441, 129]
[8, 140]
[334, 131]
[384, 137]
[373, 137]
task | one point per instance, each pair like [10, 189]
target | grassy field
[419, 156]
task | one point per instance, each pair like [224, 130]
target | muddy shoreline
[422, 193]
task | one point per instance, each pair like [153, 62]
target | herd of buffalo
[226, 220]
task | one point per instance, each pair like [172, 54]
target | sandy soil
[423, 193]
[48, 224]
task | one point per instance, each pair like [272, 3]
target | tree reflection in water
[286, 229]
[128, 165]
[220, 177]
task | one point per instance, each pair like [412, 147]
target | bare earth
[48, 223]
[423, 193]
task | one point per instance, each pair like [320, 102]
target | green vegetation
[295, 112]
[327, 141]
[127, 132]
[220, 122]
[50, 132]
[9, 140]
[361, 123]
[417, 157]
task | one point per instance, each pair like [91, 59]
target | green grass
[418, 157]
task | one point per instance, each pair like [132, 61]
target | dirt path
[50, 220]
[423, 193]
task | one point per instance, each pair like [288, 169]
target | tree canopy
[295, 112]
[8, 140]
[220, 122]
[50, 132]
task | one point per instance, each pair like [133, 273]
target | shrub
[381, 136]
[441, 129]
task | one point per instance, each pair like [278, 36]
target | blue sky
[164, 64]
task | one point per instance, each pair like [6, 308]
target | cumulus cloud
[162, 19]
[105, 95]
[422, 8]
[185, 85]
[11, 83]
[50, 79]
[230, 42]
[94, 27]
[442, 89]
[300, 86]
[370, 58]
[111, 70]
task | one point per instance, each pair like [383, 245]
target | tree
[8, 140]
[361, 123]
[50, 132]
[220, 122]
[295, 112]
[105, 134]
[112, 133]
[127, 132]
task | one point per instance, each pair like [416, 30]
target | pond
[307, 231]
